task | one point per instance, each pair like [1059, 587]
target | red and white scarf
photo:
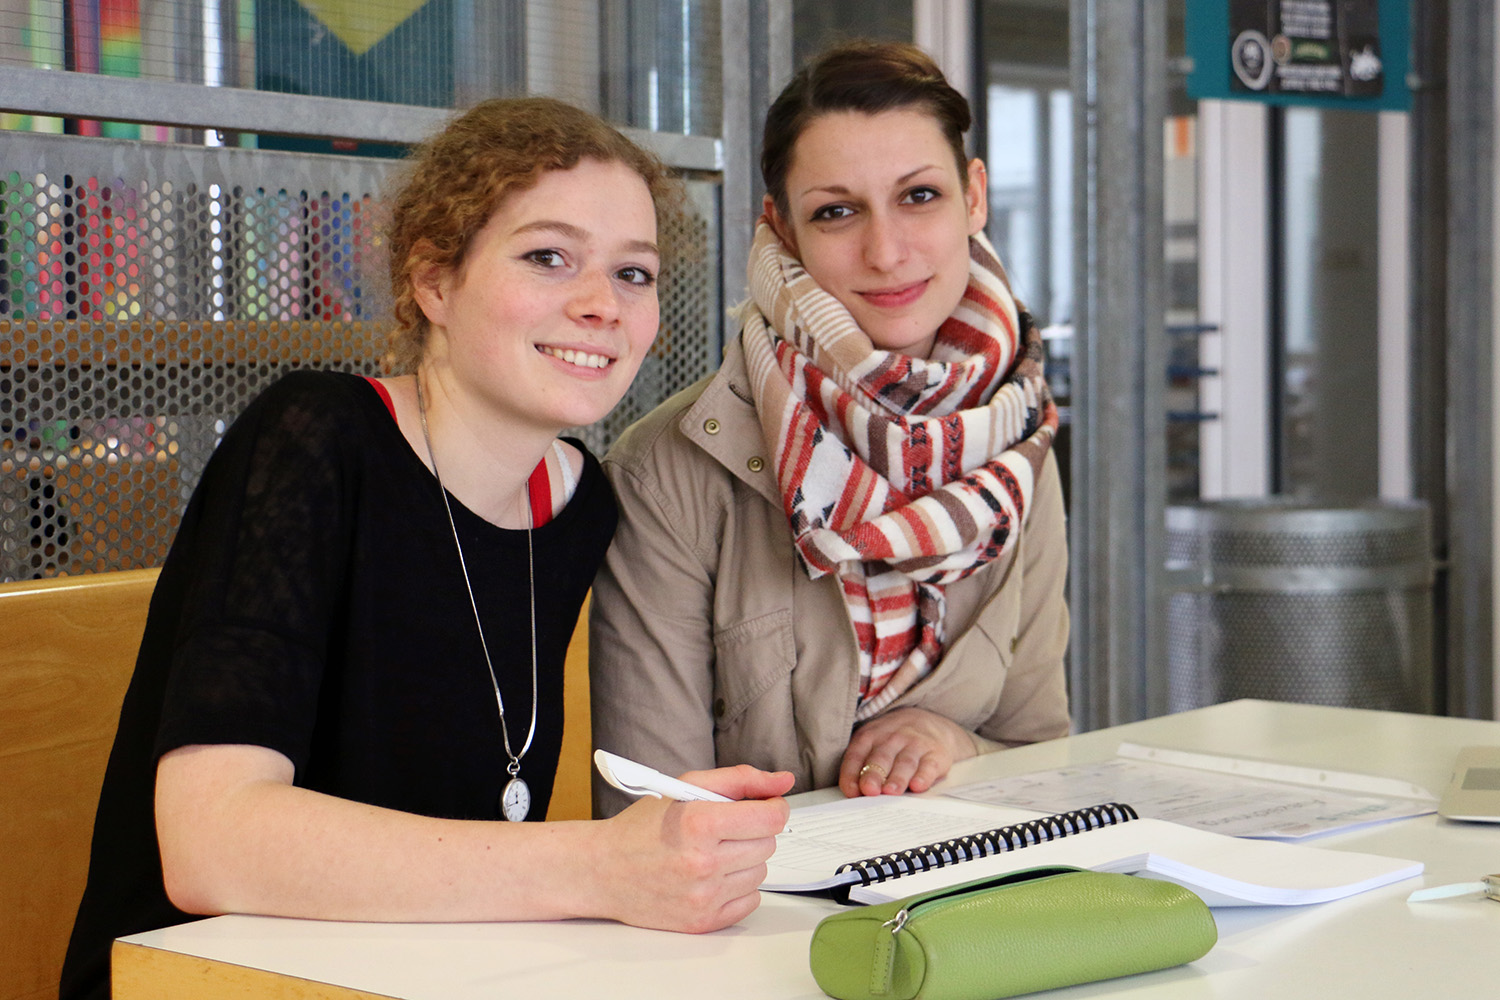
[899, 474]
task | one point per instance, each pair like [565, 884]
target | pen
[638, 779]
[1489, 885]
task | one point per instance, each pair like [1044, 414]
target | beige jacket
[710, 646]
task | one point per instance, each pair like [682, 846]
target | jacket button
[719, 708]
[756, 464]
[1015, 641]
[711, 425]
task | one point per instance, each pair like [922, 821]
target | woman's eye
[637, 276]
[922, 195]
[546, 258]
[832, 212]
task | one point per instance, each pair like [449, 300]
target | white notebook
[1223, 870]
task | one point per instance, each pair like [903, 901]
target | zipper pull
[883, 968]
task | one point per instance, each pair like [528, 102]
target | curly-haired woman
[350, 686]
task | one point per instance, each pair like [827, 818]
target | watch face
[515, 801]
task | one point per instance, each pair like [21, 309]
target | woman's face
[555, 305]
[879, 216]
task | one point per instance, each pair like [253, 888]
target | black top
[312, 602]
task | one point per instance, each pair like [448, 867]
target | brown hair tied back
[457, 179]
[864, 76]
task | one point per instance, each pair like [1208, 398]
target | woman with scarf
[844, 554]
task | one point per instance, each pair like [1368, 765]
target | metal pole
[1470, 361]
[1117, 668]
[737, 220]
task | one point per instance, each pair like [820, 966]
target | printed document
[1230, 795]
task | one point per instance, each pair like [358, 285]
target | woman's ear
[429, 283]
[978, 196]
[779, 226]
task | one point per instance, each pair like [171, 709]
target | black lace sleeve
[256, 571]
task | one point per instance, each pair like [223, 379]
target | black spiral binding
[987, 842]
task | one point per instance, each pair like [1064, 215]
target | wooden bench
[571, 792]
[67, 649]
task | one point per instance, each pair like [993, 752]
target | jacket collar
[723, 423]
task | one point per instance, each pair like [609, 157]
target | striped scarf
[899, 474]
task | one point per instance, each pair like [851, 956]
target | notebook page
[826, 836]
[1225, 871]
[1234, 796]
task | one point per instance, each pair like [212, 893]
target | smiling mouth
[895, 297]
[582, 359]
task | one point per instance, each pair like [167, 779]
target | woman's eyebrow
[552, 226]
[840, 189]
[573, 232]
[922, 169]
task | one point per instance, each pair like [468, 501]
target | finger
[873, 774]
[746, 880]
[856, 766]
[744, 859]
[743, 862]
[728, 909]
[849, 772]
[747, 820]
[743, 781]
[869, 746]
[934, 768]
[902, 769]
[737, 893]
[735, 910]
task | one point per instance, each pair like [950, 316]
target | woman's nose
[594, 299]
[884, 243]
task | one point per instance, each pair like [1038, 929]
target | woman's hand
[693, 866]
[237, 837]
[907, 748]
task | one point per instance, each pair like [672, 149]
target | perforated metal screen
[148, 292]
[1322, 606]
[652, 64]
[1359, 650]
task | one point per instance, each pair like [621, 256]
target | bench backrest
[571, 791]
[67, 649]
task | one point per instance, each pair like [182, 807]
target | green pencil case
[1030, 930]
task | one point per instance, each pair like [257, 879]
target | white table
[1371, 945]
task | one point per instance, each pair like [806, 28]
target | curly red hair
[456, 180]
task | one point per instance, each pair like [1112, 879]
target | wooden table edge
[140, 972]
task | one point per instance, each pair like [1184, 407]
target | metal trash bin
[1285, 600]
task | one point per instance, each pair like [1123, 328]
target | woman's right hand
[692, 866]
[238, 837]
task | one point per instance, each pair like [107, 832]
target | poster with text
[1348, 53]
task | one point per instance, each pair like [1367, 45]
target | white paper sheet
[1242, 798]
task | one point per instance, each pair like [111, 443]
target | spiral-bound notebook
[887, 847]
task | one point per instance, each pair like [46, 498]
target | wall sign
[1325, 53]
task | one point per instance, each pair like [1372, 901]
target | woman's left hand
[907, 748]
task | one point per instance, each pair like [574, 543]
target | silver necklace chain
[513, 768]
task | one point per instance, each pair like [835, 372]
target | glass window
[817, 24]
[1328, 317]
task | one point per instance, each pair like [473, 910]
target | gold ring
[872, 767]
